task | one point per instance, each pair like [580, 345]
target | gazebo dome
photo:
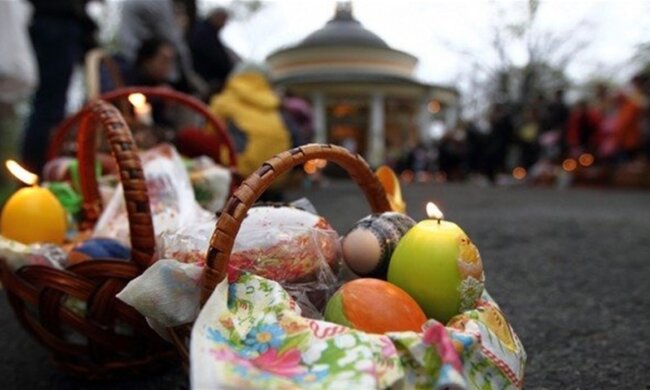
[343, 29]
[342, 51]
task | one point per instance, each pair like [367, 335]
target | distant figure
[528, 138]
[627, 127]
[583, 128]
[142, 20]
[557, 116]
[475, 146]
[298, 114]
[154, 65]
[251, 110]
[498, 141]
[60, 31]
[212, 59]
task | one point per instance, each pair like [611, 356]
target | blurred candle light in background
[141, 108]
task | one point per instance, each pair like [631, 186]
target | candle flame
[21, 173]
[434, 212]
[137, 99]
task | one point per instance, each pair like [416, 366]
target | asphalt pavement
[570, 269]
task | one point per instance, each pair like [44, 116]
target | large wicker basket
[229, 222]
[109, 337]
[223, 154]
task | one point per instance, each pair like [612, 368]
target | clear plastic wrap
[18, 255]
[211, 183]
[292, 246]
[170, 195]
[289, 245]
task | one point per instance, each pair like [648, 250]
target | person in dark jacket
[213, 61]
[498, 142]
[61, 31]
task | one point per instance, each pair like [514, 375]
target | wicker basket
[248, 193]
[119, 96]
[111, 337]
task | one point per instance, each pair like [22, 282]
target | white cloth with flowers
[250, 334]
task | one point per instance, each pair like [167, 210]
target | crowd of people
[157, 44]
[611, 127]
[162, 43]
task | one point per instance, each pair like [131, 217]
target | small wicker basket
[229, 222]
[110, 336]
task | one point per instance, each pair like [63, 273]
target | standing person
[60, 32]
[142, 20]
[251, 110]
[212, 59]
[627, 127]
[475, 146]
[528, 138]
[557, 116]
[18, 79]
[582, 129]
[498, 142]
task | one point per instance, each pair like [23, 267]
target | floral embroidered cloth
[250, 334]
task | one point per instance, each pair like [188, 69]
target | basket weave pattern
[110, 336]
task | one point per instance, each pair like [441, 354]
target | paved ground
[569, 268]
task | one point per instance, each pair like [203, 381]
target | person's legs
[58, 46]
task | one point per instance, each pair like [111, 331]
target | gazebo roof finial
[343, 10]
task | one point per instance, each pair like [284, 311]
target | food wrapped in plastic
[295, 247]
[285, 244]
[171, 197]
[292, 246]
[211, 182]
[17, 255]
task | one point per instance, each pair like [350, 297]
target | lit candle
[141, 108]
[439, 266]
[32, 214]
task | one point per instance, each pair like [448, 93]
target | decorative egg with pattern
[369, 245]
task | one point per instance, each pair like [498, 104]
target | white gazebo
[363, 92]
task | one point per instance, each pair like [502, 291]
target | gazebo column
[320, 125]
[376, 151]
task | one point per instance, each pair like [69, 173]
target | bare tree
[502, 79]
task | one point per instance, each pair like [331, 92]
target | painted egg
[369, 245]
[374, 306]
[285, 244]
[99, 248]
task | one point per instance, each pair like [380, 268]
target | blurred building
[364, 92]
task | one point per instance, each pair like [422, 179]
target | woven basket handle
[125, 153]
[253, 187]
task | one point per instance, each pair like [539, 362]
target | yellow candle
[32, 214]
[437, 264]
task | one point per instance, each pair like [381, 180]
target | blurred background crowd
[517, 125]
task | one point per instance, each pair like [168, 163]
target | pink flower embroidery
[285, 364]
[436, 335]
[387, 348]
[228, 355]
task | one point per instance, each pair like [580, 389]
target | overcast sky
[438, 31]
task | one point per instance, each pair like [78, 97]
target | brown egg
[368, 246]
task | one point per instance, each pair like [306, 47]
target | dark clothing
[498, 142]
[58, 43]
[557, 116]
[210, 56]
[73, 11]
[61, 31]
